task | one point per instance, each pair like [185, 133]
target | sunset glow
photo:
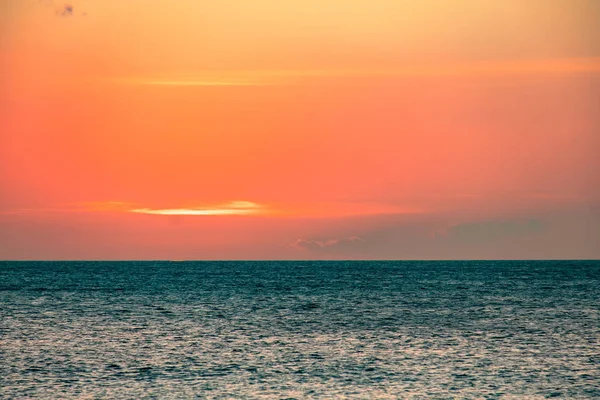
[385, 120]
[233, 208]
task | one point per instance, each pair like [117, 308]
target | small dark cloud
[330, 245]
[66, 10]
[397, 238]
[61, 10]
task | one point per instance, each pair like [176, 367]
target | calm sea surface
[128, 330]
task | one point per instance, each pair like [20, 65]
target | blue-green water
[476, 329]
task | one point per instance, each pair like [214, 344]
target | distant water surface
[126, 330]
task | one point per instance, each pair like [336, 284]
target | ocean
[300, 329]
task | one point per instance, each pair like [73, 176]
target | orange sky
[196, 129]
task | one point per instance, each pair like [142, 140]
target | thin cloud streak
[475, 68]
[75, 207]
[280, 210]
[188, 211]
[298, 210]
[232, 208]
[205, 83]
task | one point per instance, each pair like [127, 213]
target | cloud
[351, 243]
[66, 11]
[251, 78]
[75, 207]
[434, 237]
[207, 83]
[61, 10]
[486, 231]
[285, 210]
[231, 208]
[102, 205]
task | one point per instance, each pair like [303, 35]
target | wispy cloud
[103, 205]
[327, 245]
[347, 209]
[232, 208]
[278, 77]
[482, 231]
[74, 207]
[291, 210]
[239, 207]
[206, 83]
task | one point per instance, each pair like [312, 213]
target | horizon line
[303, 260]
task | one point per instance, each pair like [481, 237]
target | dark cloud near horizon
[486, 231]
[351, 243]
[566, 236]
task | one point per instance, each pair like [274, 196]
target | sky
[313, 129]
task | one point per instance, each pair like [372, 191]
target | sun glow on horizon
[232, 208]
[204, 83]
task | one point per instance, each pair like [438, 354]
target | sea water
[348, 329]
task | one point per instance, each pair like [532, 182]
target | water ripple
[300, 330]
